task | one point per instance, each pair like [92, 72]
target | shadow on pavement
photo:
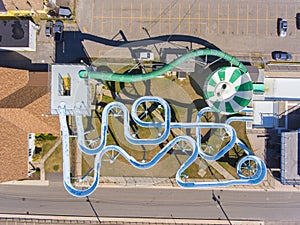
[12, 59]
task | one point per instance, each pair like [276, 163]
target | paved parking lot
[238, 27]
[189, 17]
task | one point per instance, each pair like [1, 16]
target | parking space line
[170, 8]
[208, 14]
[295, 12]
[131, 16]
[112, 16]
[179, 23]
[192, 18]
[247, 19]
[91, 25]
[276, 10]
[286, 11]
[121, 14]
[228, 17]
[150, 19]
[256, 18]
[160, 17]
[102, 15]
[199, 18]
[267, 17]
[189, 17]
[141, 16]
[218, 18]
[238, 19]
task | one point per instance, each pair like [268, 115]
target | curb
[28, 182]
[116, 220]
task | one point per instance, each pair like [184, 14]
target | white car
[146, 56]
[282, 26]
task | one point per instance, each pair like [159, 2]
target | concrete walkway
[43, 160]
[114, 220]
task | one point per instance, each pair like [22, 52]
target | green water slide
[147, 76]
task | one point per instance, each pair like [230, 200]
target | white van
[146, 56]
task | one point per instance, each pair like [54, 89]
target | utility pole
[88, 200]
[217, 199]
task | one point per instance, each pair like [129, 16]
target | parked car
[58, 30]
[282, 26]
[298, 21]
[64, 11]
[146, 56]
[49, 28]
[281, 56]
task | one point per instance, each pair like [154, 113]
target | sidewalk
[46, 156]
[40, 219]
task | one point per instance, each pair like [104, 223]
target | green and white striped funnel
[228, 90]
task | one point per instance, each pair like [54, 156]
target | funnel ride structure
[227, 91]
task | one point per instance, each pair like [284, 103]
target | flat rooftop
[14, 33]
[282, 88]
[79, 88]
[290, 168]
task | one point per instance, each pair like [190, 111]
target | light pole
[88, 200]
[217, 199]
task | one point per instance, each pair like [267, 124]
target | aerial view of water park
[149, 112]
[148, 129]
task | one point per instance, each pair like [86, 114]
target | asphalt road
[153, 202]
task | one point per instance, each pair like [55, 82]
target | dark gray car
[49, 28]
[58, 30]
[281, 56]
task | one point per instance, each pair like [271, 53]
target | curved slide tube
[140, 77]
[259, 171]
[127, 133]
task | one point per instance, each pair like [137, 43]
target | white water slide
[250, 169]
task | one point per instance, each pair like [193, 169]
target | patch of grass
[54, 162]
[42, 147]
[85, 166]
[240, 128]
